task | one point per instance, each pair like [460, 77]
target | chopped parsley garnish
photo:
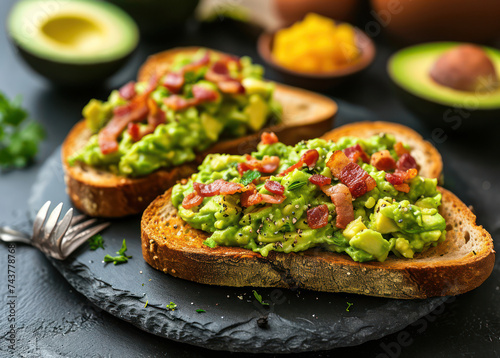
[349, 304]
[296, 184]
[249, 176]
[96, 242]
[199, 310]
[171, 306]
[19, 137]
[259, 298]
[121, 258]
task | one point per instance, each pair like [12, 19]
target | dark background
[53, 320]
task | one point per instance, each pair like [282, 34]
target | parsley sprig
[19, 136]
[171, 306]
[249, 176]
[121, 258]
[96, 242]
[259, 298]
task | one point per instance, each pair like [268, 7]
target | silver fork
[57, 240]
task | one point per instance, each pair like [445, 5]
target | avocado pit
[465, 68]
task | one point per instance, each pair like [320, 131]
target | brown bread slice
[101, 193]
[459, 264]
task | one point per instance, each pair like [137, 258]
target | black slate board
[297, 320]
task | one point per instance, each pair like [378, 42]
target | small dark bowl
[320, 80]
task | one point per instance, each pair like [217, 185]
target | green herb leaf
[259, 298]
[96, 242]
[19, 137]
[249, 176]
[171, 306]
[296, 184]
[121, 258]
[210, 243]
[349, 304]
[199, 310]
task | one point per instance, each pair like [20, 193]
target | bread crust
[459, 264]
[101, 193]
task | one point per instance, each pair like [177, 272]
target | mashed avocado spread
[284, 205]
[144, 127]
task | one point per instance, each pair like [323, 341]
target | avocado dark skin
[72, 75]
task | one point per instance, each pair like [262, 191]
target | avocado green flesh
[185, 132]
[73, 32]
[405, 229]
[410, 68]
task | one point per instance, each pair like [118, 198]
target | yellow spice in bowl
[316, 44]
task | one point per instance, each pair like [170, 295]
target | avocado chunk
[380, 222]
[372, 242]
[257, 86]
[353, 228]
[257, 110]
[459, 107]
[78, 42]
[404, 248]
[212, 126]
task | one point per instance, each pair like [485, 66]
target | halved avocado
[72, 42]
[410, 69]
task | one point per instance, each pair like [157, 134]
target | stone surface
[297, 321]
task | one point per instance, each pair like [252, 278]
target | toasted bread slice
[459, 264]
[431, 164]
[101, 193]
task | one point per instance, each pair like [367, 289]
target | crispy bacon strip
[250, 197]
[399, 179]
[383, 160]
[406, 162]
[273, 199]
[217, 72]
[174, 81]
[309, 158]
[155, 117]
[127, 91]
[195, 65]
[268, 138]
[319, 180]
[266, 165]
[191, 200]
[134, 111]
[355, 152]
[231, 86]
[342, 199]
[204, 94]
[400, 149]
[201, 95]
[317, 217]
[218, 187]
[351, 174]
[274, 187]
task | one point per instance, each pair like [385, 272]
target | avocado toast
[150, 134]
[402, 238]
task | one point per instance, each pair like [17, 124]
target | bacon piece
[174, 81]
[231, 87]
[204, 94]
[309, 158]
[355, 152]
[400, 149]
[127, 91]
[383, 160]
[273, 199]
[400, 178]
[405, 162]
[191, 200]
[268, 164]
[178, 103]
[218, 187]
[268, 138]
[317, 217]
[156, 116]
[250, 197]
[195, 65]
[274, 187]
[342, 199]
[319, 180]
[351, 174]
[134, 111]
[134, 131]
[337, 161]
[218, 72]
